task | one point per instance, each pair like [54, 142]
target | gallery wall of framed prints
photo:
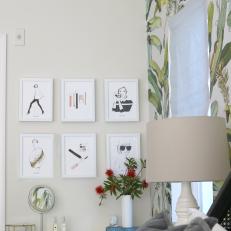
[77, 105]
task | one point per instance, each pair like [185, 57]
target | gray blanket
[162, 223]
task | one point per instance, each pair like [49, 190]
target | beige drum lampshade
[187, 149]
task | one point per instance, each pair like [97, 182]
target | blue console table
[119, 228]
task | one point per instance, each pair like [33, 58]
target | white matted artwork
[119, 147]
[36, 99]
[121, 100]
[78, 100]
[36, 155]
[79, 155]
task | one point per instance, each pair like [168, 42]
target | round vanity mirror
[41, 199]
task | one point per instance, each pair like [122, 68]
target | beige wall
[67, 39]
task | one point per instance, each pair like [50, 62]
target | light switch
[19, 39]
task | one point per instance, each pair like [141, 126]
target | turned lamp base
[185, 201]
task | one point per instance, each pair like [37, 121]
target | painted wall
[67, 39]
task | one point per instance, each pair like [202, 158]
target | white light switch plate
[19, 39]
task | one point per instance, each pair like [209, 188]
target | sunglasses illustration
[123, 147]
[128, 148]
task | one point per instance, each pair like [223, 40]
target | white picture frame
[79, 155]
[78, 100]
[36, 99]
[36, 155]
[121, 100]
[119, 147]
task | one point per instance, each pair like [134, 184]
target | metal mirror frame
[32, 205]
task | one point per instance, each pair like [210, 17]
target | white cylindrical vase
[127, 211]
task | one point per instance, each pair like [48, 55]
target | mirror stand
[41, 221]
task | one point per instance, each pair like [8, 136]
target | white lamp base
[185, 201]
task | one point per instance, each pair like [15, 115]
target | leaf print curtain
[219, 48]
[219, 37]
[157, 12]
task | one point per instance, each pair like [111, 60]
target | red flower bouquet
[129, 183]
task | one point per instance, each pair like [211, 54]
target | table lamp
[186, 149]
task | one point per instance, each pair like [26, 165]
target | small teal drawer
[119, 228]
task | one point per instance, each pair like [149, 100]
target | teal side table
[119, 228]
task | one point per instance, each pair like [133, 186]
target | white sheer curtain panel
[189, 67]
[189, 77]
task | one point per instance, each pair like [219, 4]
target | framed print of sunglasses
[120, 146]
